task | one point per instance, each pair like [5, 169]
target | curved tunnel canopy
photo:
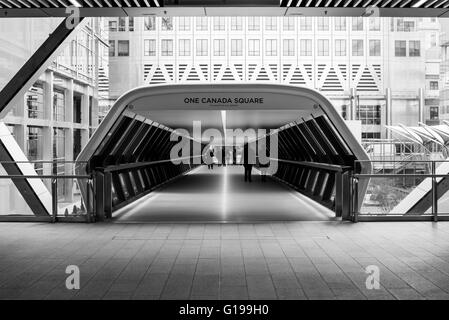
[133, 141]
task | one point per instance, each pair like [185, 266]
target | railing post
[54, 199]
[99, 194]
[338, 194]
[434, 194]
[107, 183]
[346, 196]
[87, 201]
[355, 197]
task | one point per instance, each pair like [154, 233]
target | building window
[59, 154]
[305, 47]
[253, 47]
[58, 105]
[434, 113]
[271, 47]
[288, 23]
[219, 47]
[167, 47]
[201, 24]
[167, 23]
[90, 111]
[374, 24]
[433, 40]
[400, 49]
[368, 114]
[219, 23]
[270, 23]
[414, 48]
[113, 25]
[370, 135]
[357, 48]
[433, 85]
[322, 23]
[201, 47]
[236, 47]
[76, 142]
[253, 23]
[289, 47]
[236, 23]
[131, 24]
[121, 24]
[340, 47]
[357, 24]
[404, 26]
[184, 47]
[77, 114]
[149, 23]
[344, 111]
[111, 48]
[34, 143]
[374, 48]
[305, 23]
[149, 47]
[323, 47]
[340, 23]
[184, 23]
[123, 48]
[35, 101]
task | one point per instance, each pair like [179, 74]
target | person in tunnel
[210, 164]
[248, 170]
[249, 158]
[248, 162]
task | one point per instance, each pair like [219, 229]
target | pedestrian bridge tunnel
[132, 151]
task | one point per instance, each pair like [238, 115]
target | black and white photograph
[223, 158]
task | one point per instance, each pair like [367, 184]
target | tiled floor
[290, 260]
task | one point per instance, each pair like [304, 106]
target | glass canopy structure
[130, 151]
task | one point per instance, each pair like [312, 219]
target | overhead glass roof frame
[108, 8]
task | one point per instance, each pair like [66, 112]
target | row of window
[367, 114]
[254, 47]
[253, 24]
[34, 100]
[288, 47]
[371, 114]
[414, 48]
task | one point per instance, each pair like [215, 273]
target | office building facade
[63, 107]
[377, 70]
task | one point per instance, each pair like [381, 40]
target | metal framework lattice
[89, 4]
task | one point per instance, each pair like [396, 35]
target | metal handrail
[19, 176]
[318, 165]
[123, 166]
[397, 175]
[43, 161]
[434, 187]
[428, 161]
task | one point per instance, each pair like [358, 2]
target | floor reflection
[222, 194]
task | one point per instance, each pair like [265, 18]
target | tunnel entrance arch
[130, 151]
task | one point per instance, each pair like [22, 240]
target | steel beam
[35, 66]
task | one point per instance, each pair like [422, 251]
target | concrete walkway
[222, 195]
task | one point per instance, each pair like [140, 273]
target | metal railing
[49, 192]
[411, 195]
